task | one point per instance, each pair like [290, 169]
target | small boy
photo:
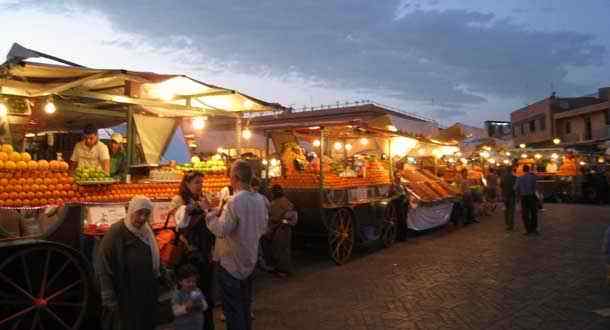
[188, 302]
[606, 251]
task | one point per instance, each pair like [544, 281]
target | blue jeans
[236, 300]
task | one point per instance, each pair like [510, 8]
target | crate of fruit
[92, 176]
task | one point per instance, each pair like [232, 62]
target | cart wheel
[389, 228]
[43, 287]
[341, 236]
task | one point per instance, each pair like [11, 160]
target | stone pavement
[474, 277]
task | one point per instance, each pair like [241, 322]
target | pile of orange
[20, 189]
[123, 192]
[376, 174]
[12, 161]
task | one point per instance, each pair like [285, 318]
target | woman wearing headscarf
[278, 240]
[190, 206]
[128, 270]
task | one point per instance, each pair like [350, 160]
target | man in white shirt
[90, 152]
[240, 223]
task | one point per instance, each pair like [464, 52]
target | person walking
[507, 184]
[127, 268]
[240, 223]
[525, 188]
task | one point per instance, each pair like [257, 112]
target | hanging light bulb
[491, 161]
[522, 146]
[50, 107]
[556, 141]
[316, 143]
[220, 150]
[601, 160]
[506, 162]
[265, 162]
[348, 147]
[523, 156]
[537, 156]
[554, 156]
[3, 110]
[507, 154]
[198, 123]
[364, 141]
[246, 134]
[338, 145]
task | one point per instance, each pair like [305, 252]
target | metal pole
[238, 136]
[130, 137]
[321, 157]
[267, 156]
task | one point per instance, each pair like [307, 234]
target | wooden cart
[352, 213]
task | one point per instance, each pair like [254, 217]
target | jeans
[236, 300]
[529, 213]
[509, 211]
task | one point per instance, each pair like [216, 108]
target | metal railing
[346, 104]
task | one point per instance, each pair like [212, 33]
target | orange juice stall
[48, 213]
[339, 176]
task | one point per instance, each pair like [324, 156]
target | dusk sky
[468, 61]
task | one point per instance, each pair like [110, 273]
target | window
[532, 126]
[542, 123]
[568, 127]
[514, 132]
[607, 117]
[523, 129]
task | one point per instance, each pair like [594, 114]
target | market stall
[339, 178]
[47, 211]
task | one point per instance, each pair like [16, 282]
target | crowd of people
[511, 189]
[220, 248]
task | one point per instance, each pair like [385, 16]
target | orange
[3, 156]
[18, 187]
[14, 156]
[32, 165]
[43, 165]
[22, 181]
[7, 148]
[10, 165]
[21, 165]
[27, 202]
[44, 202]
[26, 157]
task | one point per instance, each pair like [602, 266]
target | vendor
[90, 152]
[118, 158]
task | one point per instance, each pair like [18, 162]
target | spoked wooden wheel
[389, 228]
[43, 287]
[341, 236]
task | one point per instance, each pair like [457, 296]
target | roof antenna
[19, 53]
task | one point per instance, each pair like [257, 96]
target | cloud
[446, 114]
[460, 57]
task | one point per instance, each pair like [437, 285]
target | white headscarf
[144, 233]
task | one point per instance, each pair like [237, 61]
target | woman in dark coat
[277, 243]
[127, 268]
[190, 205]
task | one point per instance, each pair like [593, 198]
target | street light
[50, 107]
[556, 141]
[522, 146]
[316, 143]
[3, 110]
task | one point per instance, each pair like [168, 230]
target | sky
[453, 61]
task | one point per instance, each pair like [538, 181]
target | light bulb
[556, 141]
[3, 110]
[523, 156]
[364, 141]
[537, 156]
[507, 154]
[338, 146]
[265, 162]
[316, 143]
[348, 147]
[199, 123]
[50, 108]
[554, 156]
[246, 134]
[522, 146]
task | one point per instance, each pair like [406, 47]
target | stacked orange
[35, 188]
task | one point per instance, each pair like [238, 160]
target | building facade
[570, 119]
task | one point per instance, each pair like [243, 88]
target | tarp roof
[108, 91]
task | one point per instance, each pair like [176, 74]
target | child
[188, 302]
[606, 251]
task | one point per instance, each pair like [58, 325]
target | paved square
[474, 277]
